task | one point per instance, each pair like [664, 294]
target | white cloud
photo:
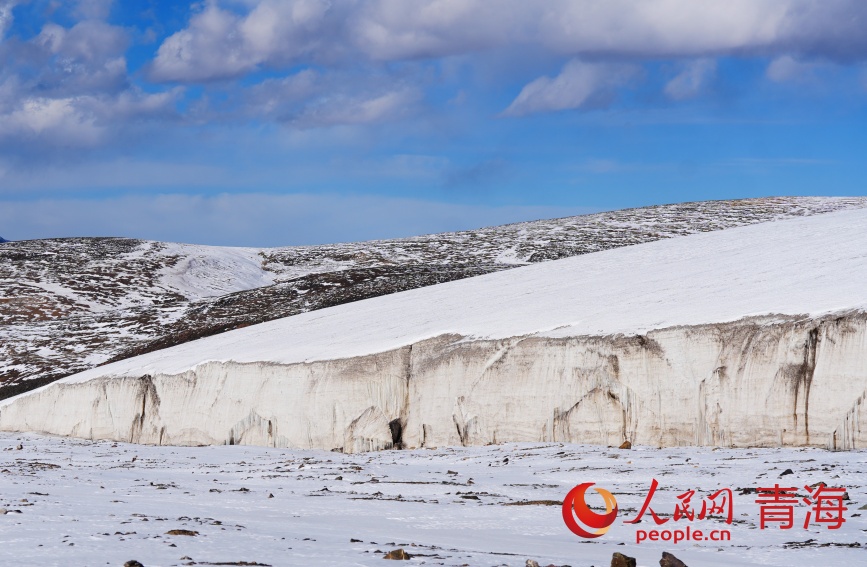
[787, 69]
[221, 44]
[6, 16]
[578, 84]
[692, 80]
[255, 219]
[57, 121]
[77, 122]
[310, 99]
[344, 109]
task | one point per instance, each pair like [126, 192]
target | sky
[285, 122]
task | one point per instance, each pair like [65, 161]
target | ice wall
[780, 381]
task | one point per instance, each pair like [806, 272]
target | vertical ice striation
[754, 382]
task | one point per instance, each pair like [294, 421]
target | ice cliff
[754, 336]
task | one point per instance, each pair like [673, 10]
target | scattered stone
[625, 445]
[3, 511]
[669, 560]
[620, 560]
[785, 472]
[398, 554]
[818, 484]
[531, 563]
[132, 563]
[353, 540]
[182, 532]
[19, 447]
[270, 495]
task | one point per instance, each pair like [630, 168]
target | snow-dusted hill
[748, 336]
[70, 304]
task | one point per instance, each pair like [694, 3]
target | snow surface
[209, 271]
[74, 502]
[810, 266]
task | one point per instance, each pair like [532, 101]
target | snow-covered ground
[72, 502]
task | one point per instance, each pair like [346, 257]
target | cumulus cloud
[59, 121]
[218, 43]
[350, 62]
[578, 85]
[85, 58]
[69, 88]
[77, 122]
[692, 79]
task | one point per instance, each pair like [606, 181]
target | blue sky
[276, 122]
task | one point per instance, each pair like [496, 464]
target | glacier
[751, 336]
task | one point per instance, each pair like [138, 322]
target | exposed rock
[182, 532]
[620, 560]
[785, 472]
[625, 445]
[669, 560]
[531, 563]
[132, 563]
[398, 554]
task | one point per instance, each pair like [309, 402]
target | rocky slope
[67, 305]
[752, 336]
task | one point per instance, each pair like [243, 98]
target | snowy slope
[67, 305]
[752, 336]
[84, 503]
[809, 266]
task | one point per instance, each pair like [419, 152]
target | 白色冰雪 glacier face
[752, 336]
